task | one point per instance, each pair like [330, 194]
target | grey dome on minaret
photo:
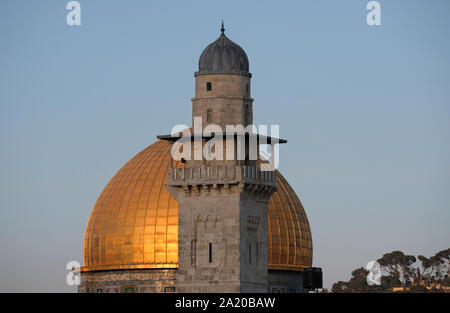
[223, 57]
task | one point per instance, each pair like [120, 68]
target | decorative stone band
[201, 179]
[147, 265]
[215, 72]
[224, 97]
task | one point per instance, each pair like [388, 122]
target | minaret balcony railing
[233, 174]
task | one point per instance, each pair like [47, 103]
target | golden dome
[134, 223]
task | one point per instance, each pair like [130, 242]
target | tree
[402, 271]
[399, 265]
[434, 269]
[390, 281]
[442, 259]
[428, 267]
[356, 284]
[340, 287]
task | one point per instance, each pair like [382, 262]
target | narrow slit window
[210, 252]
[249, 253]
[209, 116]
[208, 86]
[193, 252]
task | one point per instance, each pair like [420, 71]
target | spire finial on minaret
[222, 29]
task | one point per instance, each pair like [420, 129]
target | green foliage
[413, 274]
[398, 265]
[356, 284]
[390, 281]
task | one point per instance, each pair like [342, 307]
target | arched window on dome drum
[209, 116]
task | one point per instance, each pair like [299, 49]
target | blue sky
[365, 109]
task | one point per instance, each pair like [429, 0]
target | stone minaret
[222, 245]
[222, 85]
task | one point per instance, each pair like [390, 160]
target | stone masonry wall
[118, 281]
